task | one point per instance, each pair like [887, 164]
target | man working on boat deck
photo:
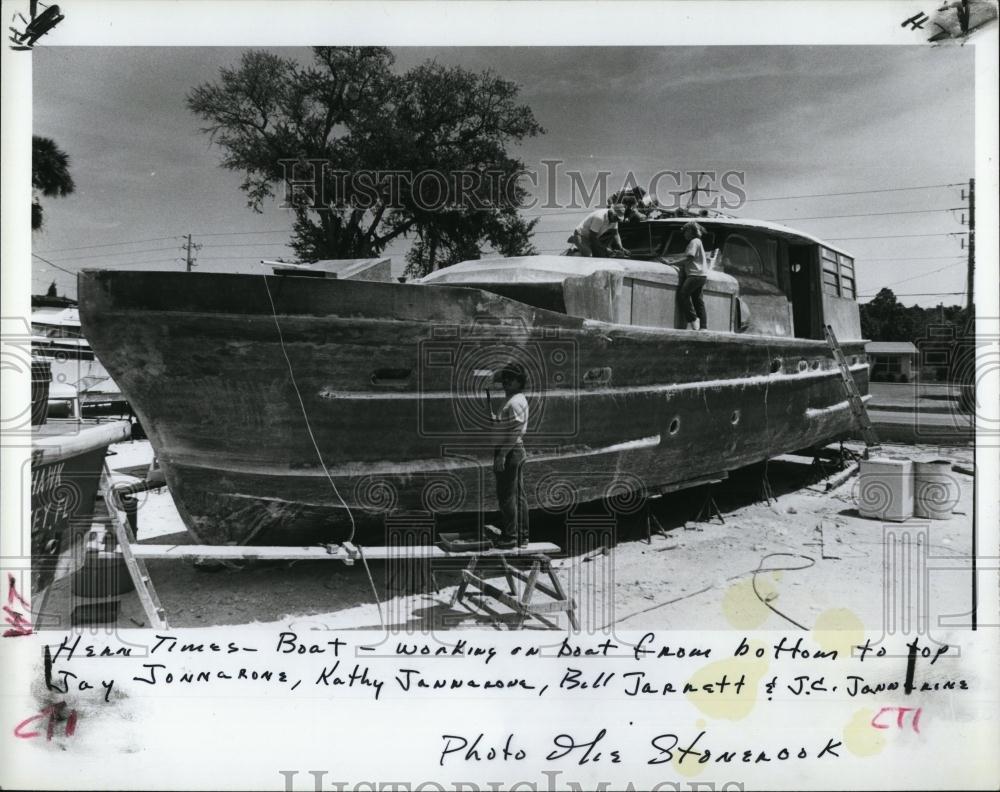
[511, 422]
[588, 235]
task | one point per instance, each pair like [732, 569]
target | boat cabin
[791, 283]
[766, 279]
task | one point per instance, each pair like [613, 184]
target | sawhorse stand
[522, 603]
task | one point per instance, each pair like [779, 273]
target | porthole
[815, 366]
[675, 426]
[776, 365]
[803, 365]
[735, 417]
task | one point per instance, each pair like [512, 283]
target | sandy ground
[807, 554]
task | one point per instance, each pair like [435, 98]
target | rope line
[319, 454]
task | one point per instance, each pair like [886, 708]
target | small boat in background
[284, 408]
[56, 338]
[67, 460]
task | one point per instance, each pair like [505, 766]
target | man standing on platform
[511, 422]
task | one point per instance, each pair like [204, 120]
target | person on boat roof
[508, 458]
[588, 235]
[695, 267]
[637, 202]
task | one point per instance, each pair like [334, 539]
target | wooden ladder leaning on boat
[872, 445]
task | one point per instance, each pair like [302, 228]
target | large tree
[423, 154]
[49, 175]
[885, 318]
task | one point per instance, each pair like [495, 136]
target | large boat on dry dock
[283, 407]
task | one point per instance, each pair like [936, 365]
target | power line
[129, 264]
[246, 233]
[856, 192]
[110, 244]
[249, 244]
[829, 239]
[53, 264]
[164, 239]
[795, 197]
[248, 257]
[160, 250]
[897, 236]
[924, 274]
[868, 214]
[120, 253]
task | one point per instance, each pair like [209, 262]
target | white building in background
[892, 361]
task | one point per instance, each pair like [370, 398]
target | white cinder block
[885, 489]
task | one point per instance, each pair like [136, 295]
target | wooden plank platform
[323, 552]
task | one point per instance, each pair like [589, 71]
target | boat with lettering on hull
[285, 407]
[67, 460]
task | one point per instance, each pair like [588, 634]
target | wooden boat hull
[276, 405]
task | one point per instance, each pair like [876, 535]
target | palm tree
[49, 174]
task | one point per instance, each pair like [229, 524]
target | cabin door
[800, 259]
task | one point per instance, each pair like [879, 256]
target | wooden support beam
[714, 478]
[326, 552]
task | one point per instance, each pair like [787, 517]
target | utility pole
[971, 274]
[188, 248]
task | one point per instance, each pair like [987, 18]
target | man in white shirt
[587, 235]
[508, 458]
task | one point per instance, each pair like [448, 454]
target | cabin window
[676, 244]
[637, 238]
[769, 250]
[50, 331]
[838, 274]
[847, 288]
[739, 256]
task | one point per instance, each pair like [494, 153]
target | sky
[798, 121]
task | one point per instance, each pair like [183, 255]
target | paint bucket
[936, 489]
[885, 489]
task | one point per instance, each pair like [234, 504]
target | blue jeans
[692, 304]
[511, 497]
